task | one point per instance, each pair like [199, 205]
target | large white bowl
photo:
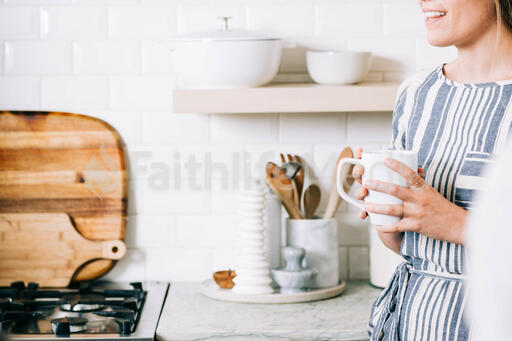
[338, 67]
[226, 58]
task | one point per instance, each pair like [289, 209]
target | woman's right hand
[357, 173]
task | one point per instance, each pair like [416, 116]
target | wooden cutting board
[45, 248]
[54, 162]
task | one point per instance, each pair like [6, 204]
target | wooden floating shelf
[288, 98]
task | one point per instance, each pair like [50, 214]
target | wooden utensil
[292, 168]
[299, 179]
[282, 185]
[60, 162]
[312, 196]
[45, 248]
[334, 198]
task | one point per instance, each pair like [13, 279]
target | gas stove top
[95, 310]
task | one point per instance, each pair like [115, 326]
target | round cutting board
[53, 162]
[210, 289]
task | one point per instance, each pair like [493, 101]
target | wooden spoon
[282, 185]
[334, 197]
[312, 197]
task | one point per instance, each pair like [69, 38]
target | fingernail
[387, 161]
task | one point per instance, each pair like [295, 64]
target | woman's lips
[435, 19]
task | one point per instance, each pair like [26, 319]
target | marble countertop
[188, 315]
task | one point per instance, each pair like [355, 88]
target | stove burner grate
[86, 310]
[66, 325]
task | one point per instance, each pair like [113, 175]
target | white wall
[102, 58]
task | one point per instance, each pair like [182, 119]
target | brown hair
[504, 13]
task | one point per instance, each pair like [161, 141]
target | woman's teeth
[434, 14]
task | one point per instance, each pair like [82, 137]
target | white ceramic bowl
[338, 67]
[226, 58]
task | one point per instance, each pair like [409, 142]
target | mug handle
[340, 182]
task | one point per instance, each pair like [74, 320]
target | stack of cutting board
[63, 194]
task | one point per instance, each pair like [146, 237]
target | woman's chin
[438, 40]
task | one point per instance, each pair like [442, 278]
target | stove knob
[125, 327]
[137, 285]
[61, 329]
[32, 286]
[20, 285]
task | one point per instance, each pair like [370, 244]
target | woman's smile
[434, 16]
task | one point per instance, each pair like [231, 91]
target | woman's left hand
[424, 209]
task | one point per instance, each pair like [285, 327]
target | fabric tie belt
[386, 309]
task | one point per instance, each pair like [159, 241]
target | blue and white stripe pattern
[455, 128]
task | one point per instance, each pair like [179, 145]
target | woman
[456, 117]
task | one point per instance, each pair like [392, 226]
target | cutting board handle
[113, 249]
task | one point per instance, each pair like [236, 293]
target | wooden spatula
[282, 185]
[312, 196]
[46, 248]
[334, 197]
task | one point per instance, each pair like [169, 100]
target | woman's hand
[424, 210]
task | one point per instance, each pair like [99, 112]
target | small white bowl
[338, 67]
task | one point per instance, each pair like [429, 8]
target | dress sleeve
[398, 132]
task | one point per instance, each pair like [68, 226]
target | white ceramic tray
[210, 289]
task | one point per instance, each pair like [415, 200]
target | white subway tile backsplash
[224, 196]
[368, 127]
[389, 54]
[165, 127]
[142, 22]
[19, 22]
[224, 258]
[164, 196]
[20, 93]
[157, 58]
[38, 58]
[129, 269]
[343, 263]
[358, 263]
[126, 122]
[349, 20]
[107, 58]
[404, 19]
[325, 156]
[257, 128]
[183, 264]
[68, 92]
[2, 59]
[105, 2]
[219, 230]
[141, 92]
[155, 231]
[352, 230]
[196, 18]
[37, 2]
[429, 56]
[70, 22]
[282, 19]
[311, 128]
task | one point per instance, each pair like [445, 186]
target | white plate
[210, 289]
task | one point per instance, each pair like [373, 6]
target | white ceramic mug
[375, 169]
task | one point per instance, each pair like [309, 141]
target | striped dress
[455, 128]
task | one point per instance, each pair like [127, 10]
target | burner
[82, 302]
[110, 310]
[66, 325]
